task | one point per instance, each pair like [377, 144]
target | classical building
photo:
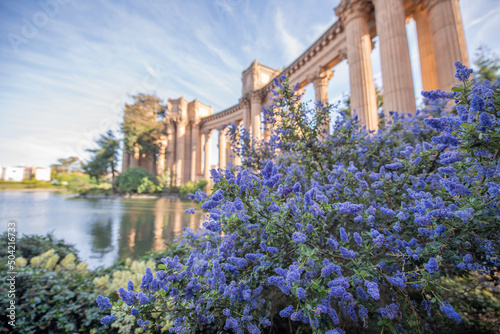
[441, 42]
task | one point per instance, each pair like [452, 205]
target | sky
[67, 67]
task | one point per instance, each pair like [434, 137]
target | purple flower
[350, 208]
[301, 293]
[397, 281]
[218, 195]
[432, 265]
[215, 175]
[450, 312]
[310, 228]
[299, 237]
[285, 313]
[143, 299]
[329, 269]
[348, 254]
[237, 261]
[103, 303]
[390, 311]
[343, 235]
[273, 207]
[361, 293]
[455, 188]
[394, 166]
[372, 289]
[134, 312]
[147, 279]
[106, 321]
[358, 238]
[333, 243]
[462, 72]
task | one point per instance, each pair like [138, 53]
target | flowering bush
[323, 233]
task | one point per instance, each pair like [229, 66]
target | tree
[487, 63]
[104, 158]
[141, 124]
[71, 164]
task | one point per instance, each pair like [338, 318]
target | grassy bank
[6, 185]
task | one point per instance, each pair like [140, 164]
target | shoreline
[62, 190]
[96, 196]
[133, 196]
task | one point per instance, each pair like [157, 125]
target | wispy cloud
[71, 79]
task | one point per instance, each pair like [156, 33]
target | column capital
[256, 98]
[207, 132]
[342, 54]
[321, 77]
[350, 9]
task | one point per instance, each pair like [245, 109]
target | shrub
[53, 295]
[191, 187]
[134, 179]
[319, 235]
[78, 183]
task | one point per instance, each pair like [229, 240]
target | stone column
[179, 152]
[170, 154]
[426, 50]
[320, 82]
[237, 158]
[222, 148]
[247, 118]
[395, 56]
[256, 108]
[160, 164]
[125, 161]
[195, 134]
[206, 145]
[359, 45]
[448, 38]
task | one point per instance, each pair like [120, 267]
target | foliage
[78, 183]
[319, 235]
[487, 63]
[166, 180]
[67, 165]
[146, 186]
[191, 187]
[28, 184]
[33, 245]
[53, 294]
[104, 158]
[133, 179]
[140, 123]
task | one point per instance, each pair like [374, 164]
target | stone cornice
[328, 37]
[221, 114]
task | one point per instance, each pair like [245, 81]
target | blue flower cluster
[328, 228]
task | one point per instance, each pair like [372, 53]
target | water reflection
[103, 230]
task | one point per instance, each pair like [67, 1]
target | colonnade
[185, 149]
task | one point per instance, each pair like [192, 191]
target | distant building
[42, 174]
[15, 174]
[28, 173]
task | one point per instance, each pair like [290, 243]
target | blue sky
[67, 67]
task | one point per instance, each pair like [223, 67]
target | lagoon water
[103, 230]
